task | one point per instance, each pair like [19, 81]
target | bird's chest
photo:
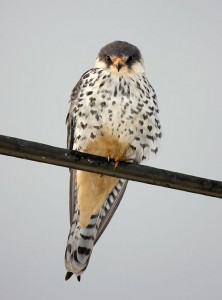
[110, 110]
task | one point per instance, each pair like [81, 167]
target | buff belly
[93, 189]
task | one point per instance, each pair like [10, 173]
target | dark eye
[108, 59]
[130, 58]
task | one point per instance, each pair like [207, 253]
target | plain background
[161, 243]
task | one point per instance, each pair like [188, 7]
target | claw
[116, 161]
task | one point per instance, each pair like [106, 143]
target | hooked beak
[119, 62]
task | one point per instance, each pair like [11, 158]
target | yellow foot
[116, 161]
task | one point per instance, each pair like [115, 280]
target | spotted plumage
[113, 113]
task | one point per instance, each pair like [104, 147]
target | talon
[116, 161]
[108, 158]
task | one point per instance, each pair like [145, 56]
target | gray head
[120, 57]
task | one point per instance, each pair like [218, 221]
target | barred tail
[80, 245]
[82, 239]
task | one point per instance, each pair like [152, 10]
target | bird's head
[120, 58]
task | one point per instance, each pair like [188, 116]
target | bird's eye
[130, 59]
[108, 59]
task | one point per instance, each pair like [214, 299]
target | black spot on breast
[149, 127]
[103, 104]
[132, 111]
[92, 101]
[98, 127]
[115, 92]
[132, 147]
[141, 122]
[141, 130]
[122, 114]
[114, 102]
[158, 135]
[89, 93]
[93, 112]
[101, 84]
[144, 145]
[150, 137]
[83, 125]
[155, 150]
[86, 76]
[97, 117]
[92, 135]
[130, 131]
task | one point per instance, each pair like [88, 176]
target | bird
[114, 114]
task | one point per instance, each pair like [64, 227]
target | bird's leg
[116, 159]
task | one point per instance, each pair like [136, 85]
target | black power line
[73, 159]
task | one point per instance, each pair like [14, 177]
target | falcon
[113, 113]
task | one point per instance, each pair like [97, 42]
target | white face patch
[137, 68]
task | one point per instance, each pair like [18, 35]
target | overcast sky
[162, 244]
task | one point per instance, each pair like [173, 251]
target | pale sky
[161, 244]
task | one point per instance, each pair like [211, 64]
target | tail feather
[80, 245]
[82, 239]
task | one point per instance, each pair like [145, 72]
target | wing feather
[71, 124]
[110, 206]
[72, 194]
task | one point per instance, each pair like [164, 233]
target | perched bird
[114, 114]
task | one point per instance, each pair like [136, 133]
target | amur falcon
[114, 114]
